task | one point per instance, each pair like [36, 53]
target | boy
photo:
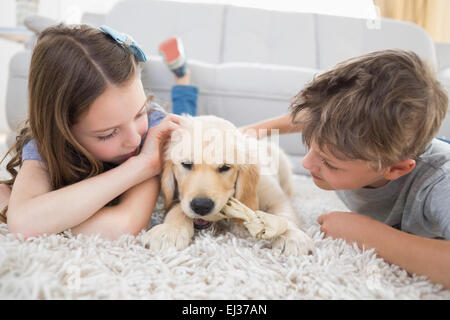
[369, 125]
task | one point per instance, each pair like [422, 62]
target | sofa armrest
[36, 24]
[16, 94]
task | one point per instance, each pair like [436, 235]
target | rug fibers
[221, 263]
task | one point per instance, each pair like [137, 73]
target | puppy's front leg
[176, 231]
[294, 240]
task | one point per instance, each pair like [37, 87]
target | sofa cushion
[444, 76]
[20, 64]
[199, 25]
[444, 131]
[394, 34]
[16, 101]
[17, 93]
[242, 93]
[338, 39]
[341, 38]
[443, 54]
[270, 37]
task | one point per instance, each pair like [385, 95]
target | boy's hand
[253, 132]
[349, 226]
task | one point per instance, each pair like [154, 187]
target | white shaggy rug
[221, 264]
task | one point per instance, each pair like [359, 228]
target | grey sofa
[247, 62]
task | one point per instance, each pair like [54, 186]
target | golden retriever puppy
[207, 162]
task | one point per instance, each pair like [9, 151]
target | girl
[84, 143]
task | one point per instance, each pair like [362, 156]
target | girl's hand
[156, 138]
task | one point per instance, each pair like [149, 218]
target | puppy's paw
[294, 242]
[165, 236]
[274, 226]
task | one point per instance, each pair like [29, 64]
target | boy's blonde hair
[382, 107]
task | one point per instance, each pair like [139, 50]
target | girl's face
[115, 124]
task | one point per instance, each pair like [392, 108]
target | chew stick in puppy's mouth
[259, 223]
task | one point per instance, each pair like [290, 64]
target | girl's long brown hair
[70, 67]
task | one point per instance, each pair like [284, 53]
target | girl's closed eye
[109, 136]
[116, 131]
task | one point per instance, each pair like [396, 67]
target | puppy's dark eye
[187, 165]
[224, 168]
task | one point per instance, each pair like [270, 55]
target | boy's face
[330, 173]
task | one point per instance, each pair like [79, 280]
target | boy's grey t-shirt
[156, 114]
[419, 202]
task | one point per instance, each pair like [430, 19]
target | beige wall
[432, 15]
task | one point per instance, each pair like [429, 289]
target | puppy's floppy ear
[246, 184]
[168, 183]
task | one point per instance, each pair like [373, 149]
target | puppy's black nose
[202, 206]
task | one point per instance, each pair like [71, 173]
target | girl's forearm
[130, 216]
[64, 208]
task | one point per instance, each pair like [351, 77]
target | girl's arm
[423, 256]
[263, 128]
[35, 209]
[130, 216]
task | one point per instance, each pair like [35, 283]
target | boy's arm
[130, 216]
[423, 256]
[282, 123]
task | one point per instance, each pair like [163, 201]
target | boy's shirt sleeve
[437, 207]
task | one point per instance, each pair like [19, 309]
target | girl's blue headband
[125, 40]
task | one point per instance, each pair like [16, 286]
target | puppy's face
[202, 169]
[204, 189]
